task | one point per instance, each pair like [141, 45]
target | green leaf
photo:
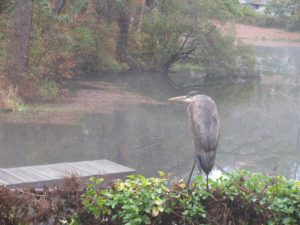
[155, 212]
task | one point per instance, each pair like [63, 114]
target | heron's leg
[191, 173]
[199, 168]
[198, 163]
[207, 182]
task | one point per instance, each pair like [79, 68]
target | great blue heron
[204, 124]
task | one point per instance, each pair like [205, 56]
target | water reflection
[260, 130]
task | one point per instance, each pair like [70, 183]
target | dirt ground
[86, 97]
[266, 36]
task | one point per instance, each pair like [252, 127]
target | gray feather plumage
[205, 127]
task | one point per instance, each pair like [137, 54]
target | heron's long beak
[179, 99]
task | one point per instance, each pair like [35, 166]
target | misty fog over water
[260, 128]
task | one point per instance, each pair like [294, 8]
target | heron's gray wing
[204, 123]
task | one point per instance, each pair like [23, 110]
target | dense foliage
[288, 10]
[238, 198]
[278, 13]
[64, 39]
[179, 31]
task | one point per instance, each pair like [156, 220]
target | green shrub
[132, 202]
[239, 198]
[84, 38]
[191, 201]
[277, 194]
[48, 88]
[283, 199]
[13, 100]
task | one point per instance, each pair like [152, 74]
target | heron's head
[190, 97]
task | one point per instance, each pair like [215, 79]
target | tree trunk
[149, 3]
[138, 15]
[59, 6]
[3, 5]
[17, 60]
[122, 41]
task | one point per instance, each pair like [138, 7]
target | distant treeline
[284, 14]
[51, 40]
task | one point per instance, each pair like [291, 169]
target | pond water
[260, 128]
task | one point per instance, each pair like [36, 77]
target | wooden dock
[53, 174]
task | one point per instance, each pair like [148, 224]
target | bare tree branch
[59, 6]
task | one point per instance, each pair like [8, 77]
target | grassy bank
[239, 198]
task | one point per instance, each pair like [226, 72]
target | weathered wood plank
[40, 175]
[53, 169]
[28, 174]
[5, 179]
